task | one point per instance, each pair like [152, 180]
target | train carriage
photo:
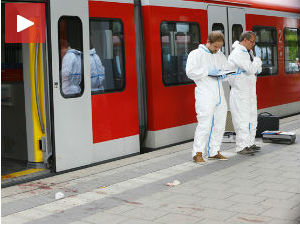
[145, 101]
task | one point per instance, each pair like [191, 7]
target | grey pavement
[264, 188]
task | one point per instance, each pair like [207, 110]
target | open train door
[72, 117]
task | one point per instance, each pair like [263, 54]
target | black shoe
[255, 148]
[246, 151]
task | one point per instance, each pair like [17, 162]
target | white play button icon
[23, 23]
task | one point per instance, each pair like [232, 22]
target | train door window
[178, 39]
[266, 40]
[70, 56]
[107, 55]
[219, 27]
[14, 150]
[237, 30]
[292, 50]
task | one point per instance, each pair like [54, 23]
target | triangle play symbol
[23, 23]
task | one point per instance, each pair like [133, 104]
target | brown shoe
[198, 157]
[218, 156]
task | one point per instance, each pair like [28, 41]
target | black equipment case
[278, 137]
[266, 121]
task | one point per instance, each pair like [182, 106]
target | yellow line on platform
[21, 173]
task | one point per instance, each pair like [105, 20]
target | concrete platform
[264, 188]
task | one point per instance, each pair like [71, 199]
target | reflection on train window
[237, 30]
[70, 56]
[107, 55]
[219, 27]
[266, 40]
[178, 39]
[291, 50]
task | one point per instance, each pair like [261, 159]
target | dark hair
[247, 35]
[215, 36]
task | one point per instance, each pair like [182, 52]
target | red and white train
[147, 101]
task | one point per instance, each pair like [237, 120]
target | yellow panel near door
[20, 173]
[37, 131]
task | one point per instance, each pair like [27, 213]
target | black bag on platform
[266, 121]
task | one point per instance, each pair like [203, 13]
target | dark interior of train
[13, 124]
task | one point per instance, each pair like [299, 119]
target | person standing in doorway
[203, 67]
[243, 102]
[71, 70]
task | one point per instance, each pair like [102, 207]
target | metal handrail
[36, 88]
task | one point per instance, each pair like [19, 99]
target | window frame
[106, 19]
[161, 47]
[233, 26]
[272, 45]
[67, 96]
[298, 33]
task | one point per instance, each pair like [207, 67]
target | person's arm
[242, 60]
[194, 70]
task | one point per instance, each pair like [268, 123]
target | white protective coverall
[71, 72]
[97, 71]
[243, 103]
[211, 107]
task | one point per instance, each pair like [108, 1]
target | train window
[237, 30]
[107, 55]
[266, 40]
[292, 50]
[70, 56]
[219, 27]
[177, 40]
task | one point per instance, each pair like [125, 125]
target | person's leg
[253, 119]
[253, 122]
[218, 128]
[239, 108]
[204, 109]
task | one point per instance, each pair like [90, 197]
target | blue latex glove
[222, 77]
[213, 72]
[257, 51]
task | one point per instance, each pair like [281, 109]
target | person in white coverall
[211, 107]
[71, 72]
[97, 71]
[243, 103]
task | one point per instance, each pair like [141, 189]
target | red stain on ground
[38, 185]
[134, 203]
[70, 190]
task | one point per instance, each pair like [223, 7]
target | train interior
[14, 154]
[18, 154]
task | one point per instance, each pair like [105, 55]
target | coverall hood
[237, 45]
